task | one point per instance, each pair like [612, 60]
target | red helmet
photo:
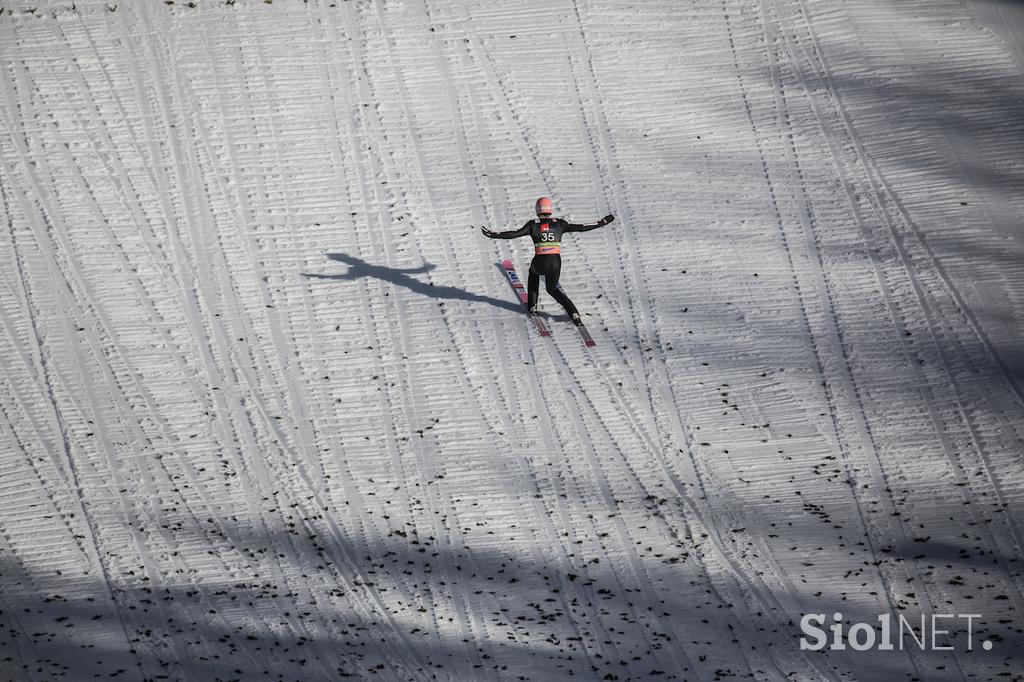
[544, 206]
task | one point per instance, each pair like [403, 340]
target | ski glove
[488, 233]
[607, 219]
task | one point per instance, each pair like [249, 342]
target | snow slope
[268, 410]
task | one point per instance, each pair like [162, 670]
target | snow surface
[268, 409]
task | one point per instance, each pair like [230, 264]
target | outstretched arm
[574, 227]
[511, 234]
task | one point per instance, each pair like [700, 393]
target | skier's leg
[556, 292]
[559, 295]
[532, 287]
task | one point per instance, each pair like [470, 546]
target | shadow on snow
[403, 277]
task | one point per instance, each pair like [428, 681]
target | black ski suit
[546, 234]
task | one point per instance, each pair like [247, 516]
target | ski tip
[590, 343]
[506, 263]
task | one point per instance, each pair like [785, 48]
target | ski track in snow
[269, 411]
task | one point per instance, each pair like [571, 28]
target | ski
[520, 289]
[585, 336]
[588, 340]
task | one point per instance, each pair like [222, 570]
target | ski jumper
[546, 234]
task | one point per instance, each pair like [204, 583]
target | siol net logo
[936, 633]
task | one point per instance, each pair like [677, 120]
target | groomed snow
[268, 409]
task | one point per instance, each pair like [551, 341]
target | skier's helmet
[544, 206]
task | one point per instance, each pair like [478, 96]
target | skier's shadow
[358, 268]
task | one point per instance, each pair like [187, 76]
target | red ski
[520, 289]
[588, 340]
[585, 336]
